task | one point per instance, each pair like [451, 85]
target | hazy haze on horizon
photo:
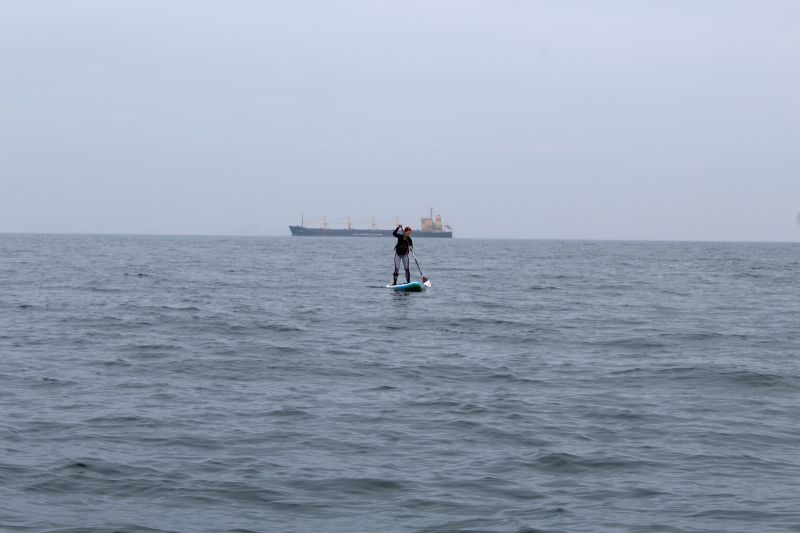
[664, 119]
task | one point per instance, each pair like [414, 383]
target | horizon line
[263, 235]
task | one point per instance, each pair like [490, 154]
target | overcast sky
[512, 118]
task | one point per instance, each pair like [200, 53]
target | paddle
[425, 280]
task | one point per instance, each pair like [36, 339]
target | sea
[274, 384]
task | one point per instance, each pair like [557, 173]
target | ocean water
[212, 384]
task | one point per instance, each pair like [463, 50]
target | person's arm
[410, 244]
[394, 233]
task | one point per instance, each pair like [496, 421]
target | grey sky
[561, 119]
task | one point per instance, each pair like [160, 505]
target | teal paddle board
[414, 286]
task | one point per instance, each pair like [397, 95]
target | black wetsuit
[401, 254]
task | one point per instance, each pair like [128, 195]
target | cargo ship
[429, 227]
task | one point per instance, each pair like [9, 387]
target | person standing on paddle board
[401, 250]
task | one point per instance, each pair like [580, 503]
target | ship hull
[302, 231]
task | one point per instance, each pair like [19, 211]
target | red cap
[408, 228]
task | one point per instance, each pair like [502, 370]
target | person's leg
[408, 270]
[396, 269]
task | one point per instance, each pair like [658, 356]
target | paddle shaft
[417, 262]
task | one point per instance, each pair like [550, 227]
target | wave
[114, 528]
[565, 463]
[633, 343]
[735, 376]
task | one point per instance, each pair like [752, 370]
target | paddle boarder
[401, 250]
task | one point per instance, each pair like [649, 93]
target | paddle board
[414, 286]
